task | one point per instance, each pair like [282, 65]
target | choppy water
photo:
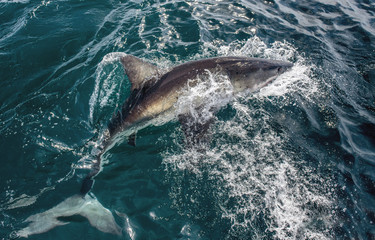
[293, 161]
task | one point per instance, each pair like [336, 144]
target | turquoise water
[293, 161]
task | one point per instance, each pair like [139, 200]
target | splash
[205, 95]
[251, 175]
[107, 84]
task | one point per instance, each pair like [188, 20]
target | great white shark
[154, 92]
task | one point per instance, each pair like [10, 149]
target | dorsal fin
[139, 72]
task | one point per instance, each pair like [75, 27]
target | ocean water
[295, 160]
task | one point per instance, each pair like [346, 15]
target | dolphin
[153, 92]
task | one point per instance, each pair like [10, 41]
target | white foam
[296, 80]
[255, 177]
[204, 96]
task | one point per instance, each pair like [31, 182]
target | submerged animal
[152, 94]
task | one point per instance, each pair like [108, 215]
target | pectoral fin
[131, 139]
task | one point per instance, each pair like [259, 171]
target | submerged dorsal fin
[140, 73]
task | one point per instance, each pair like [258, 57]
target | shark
[154, 92]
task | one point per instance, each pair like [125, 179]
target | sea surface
[295, 160]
